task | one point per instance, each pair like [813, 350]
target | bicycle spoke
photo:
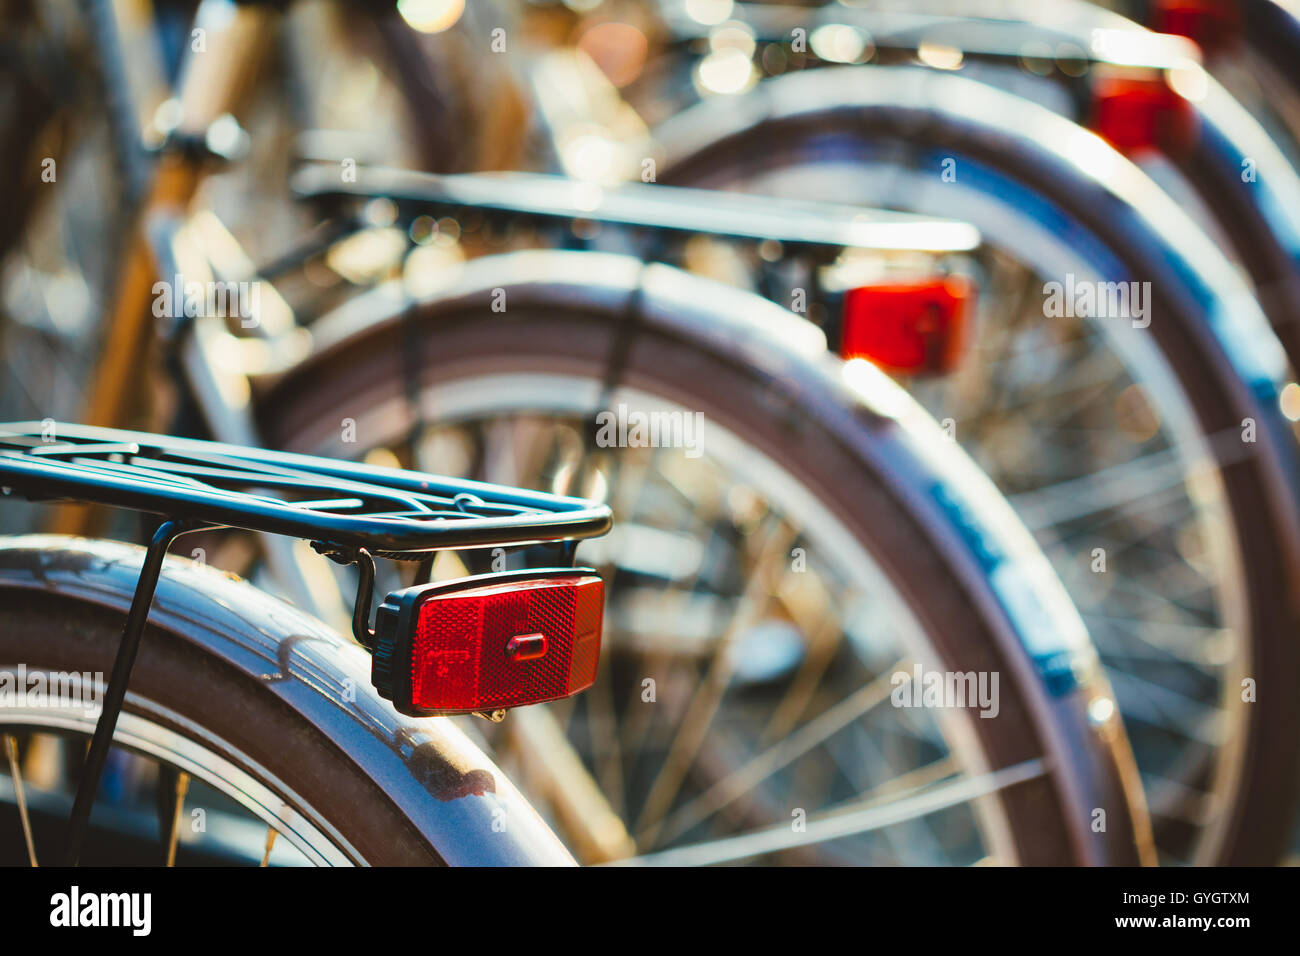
[788, 750]
[271, 834]
[655, 661]
[20, 796]
[582, 810]
[603, 720]
[704, 703]
[909, 840]
[863, 817]
[823, 642]
[182, 785]
[1148, 702]
[1119, 488]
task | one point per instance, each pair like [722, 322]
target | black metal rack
[338, 503]
[345, 510]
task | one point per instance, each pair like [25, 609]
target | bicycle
[1146, 94]
[940, 555]
[886, 142]
[232, 690]
[790, 131]
[892, 127]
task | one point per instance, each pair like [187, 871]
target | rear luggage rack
[341, 504]
[537, 635]
[822, 227]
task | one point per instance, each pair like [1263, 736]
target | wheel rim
[1185, 718]
[228, 807]
[560, 404]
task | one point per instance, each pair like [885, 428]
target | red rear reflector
[1141, 112]
[1213, 25]
[483, 644]
[914, 327]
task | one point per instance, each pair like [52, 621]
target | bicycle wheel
[240, 708]
[1102, 434]
[763, 595]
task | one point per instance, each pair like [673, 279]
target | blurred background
[1030, 143]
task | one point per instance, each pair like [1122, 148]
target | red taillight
[1212, 24]
[915, 327]
[1141, 112]
[490, 643]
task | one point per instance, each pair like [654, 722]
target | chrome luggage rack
[347, 511]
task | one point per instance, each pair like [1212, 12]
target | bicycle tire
[1227, 374]
[271, 692]
[764, 375]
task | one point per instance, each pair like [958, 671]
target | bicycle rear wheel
[266, 714]
[1103, 435]
[771, 588]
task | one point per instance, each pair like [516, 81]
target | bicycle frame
[210, 83]
[238, 418]
[1258, 217]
